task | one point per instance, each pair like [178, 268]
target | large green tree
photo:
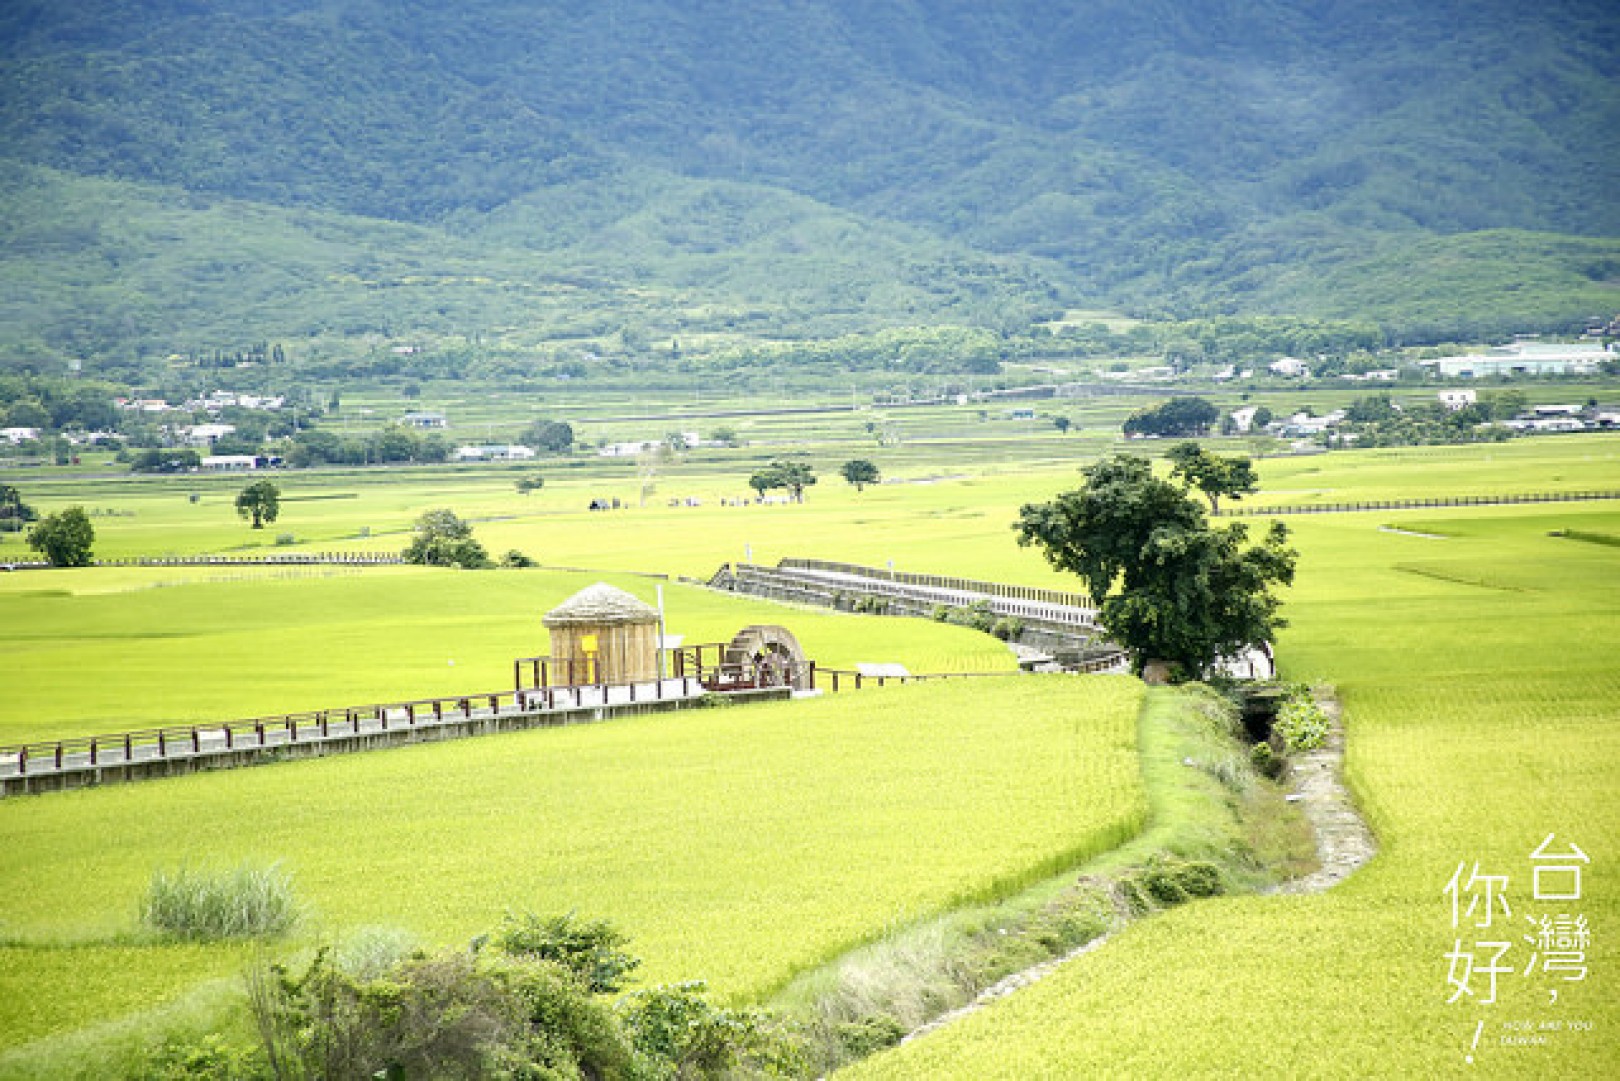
[444, 540]
[260, 501]
[1179, 416]
[860, 472]
[1213, 474]
[64, 538]
[795, 477]
[1169, 586]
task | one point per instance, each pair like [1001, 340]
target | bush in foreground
[526, 1001]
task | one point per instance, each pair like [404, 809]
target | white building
[1454, 400]
[230, 463]
[494, 452]
[627, 450]
[1524, 358]
[1243, 418]
[425, 420]
[19, 435]
[205, 435]
[1291, 367]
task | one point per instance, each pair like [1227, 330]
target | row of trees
[795, 477]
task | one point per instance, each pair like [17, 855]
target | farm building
[604, 635]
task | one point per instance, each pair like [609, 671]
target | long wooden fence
[1502, 500]
[943, 581]
[283, 730]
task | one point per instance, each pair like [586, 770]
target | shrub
[679, 1034]
[588, 949]
[515, 559]
[1200, 878]
[209, 1058]
[284, 539]
[246, 902]
[1008, 628]
[1266, 762]
[1301, 723]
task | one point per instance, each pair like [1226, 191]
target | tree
[549, 436]
[444, 540]
[1169, 586]
[531, 483]
[1062, 424]
[860, 473]
[794, 476]
[1176, 417]
[1213, 474]
[14, 513]
[165, 461]
[260, 501]
[64, 538]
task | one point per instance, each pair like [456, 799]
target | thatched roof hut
[604, 635]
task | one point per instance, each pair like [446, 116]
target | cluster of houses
[213, 403]
[18, 436]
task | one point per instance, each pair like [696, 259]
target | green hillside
[796, 170]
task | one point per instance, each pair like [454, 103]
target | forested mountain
[837, 163]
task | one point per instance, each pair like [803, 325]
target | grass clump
[197, 905]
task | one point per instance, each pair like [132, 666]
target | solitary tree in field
[1062, 424]
[1213, 474]
[860, 473]
[64, 538]
[260, 501]
[1169, 586]
[444, 540]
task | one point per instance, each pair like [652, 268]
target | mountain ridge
[1104, 153]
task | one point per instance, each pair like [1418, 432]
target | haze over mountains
[837, 165]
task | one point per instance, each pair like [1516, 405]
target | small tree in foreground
[64, 538]
[1169, 586]
[444, 540]
[860, 473]
[260, 501]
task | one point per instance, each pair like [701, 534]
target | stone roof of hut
[601, 605]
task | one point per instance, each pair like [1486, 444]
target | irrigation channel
[1344, 844]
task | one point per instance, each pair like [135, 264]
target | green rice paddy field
[1481, 680]
[735, 845]
[1477, 665]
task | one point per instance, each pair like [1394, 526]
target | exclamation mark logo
[1469, 1058]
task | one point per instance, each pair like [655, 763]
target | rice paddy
[1473, 650]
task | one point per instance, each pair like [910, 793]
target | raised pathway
[159, 752]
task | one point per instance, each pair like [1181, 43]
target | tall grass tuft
[200, 905]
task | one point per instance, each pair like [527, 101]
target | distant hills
[179, 173]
